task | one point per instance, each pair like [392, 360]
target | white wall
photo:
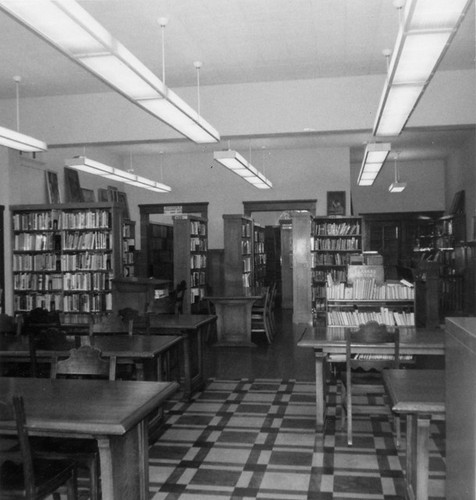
[425, 189]
[327, 104]
[461, 175]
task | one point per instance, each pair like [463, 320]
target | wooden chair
[84, 362]
[8, 325]
[24, 475]
[260, 322]
[369, 378]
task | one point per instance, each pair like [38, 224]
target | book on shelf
[368, 289]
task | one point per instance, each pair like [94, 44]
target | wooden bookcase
[190, 259]
[65, 257]
[161, 251]
[238, 250]
[128, 248]
[259, 256]
[333, 240]
[388, 303]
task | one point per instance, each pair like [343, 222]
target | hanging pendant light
[397, 186]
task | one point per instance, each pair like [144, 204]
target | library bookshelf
[389, 303]
[238, 249]
[259, 256]
[333, 240]
[65, 258]
[190, 243]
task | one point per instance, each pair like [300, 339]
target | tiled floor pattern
[255, 439]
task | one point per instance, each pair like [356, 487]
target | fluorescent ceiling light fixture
[397, 187]
[237, 164]
[374, 157]
[20, 142]
[426, 31]
[94, 167]
[70, 28]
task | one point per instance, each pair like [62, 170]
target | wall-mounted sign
[172, 209]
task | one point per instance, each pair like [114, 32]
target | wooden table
[233, 307]
[325, 341]
[190, 327]
[144, 351]
[418, 394]
[113, 413]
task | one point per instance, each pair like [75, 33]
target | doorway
[275, 216]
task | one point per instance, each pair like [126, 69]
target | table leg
[187, 367]
[124, 465]
[320, 390]
[417, 457]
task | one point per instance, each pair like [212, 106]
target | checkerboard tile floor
[255, 439]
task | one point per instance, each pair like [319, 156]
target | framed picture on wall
[335, 202]
[122, 199]
[88, 195]
[52, 187]
[72, 189]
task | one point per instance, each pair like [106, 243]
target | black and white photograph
[261, 255]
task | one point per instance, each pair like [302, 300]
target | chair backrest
[7, 324]
[178, 295]
[15, 451]
[372, 333]
[85, 362]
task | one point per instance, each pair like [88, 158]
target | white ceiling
[237, 41]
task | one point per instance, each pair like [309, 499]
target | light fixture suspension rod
[163, 23]
[17, 80]
[198, 65]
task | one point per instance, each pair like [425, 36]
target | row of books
[198, 278]
[58, 220]
[259, 247]
[86, 261]
[48, 301]
[260, 259]
[246, 230]
[335, 243]
[84, 302]
[329, 259]
[93, 240]
[246, 264]
[198, 261]
[38, 282]
[50, 262]
[369, 289]
[337, 275]
[91, 219]
[35, 221]
[34, 242]
[196, 294]
[86, 282]
[245, 247]
[384, 316]
[336, 228]
[36, 262]
[198, 244]
[198, 228]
